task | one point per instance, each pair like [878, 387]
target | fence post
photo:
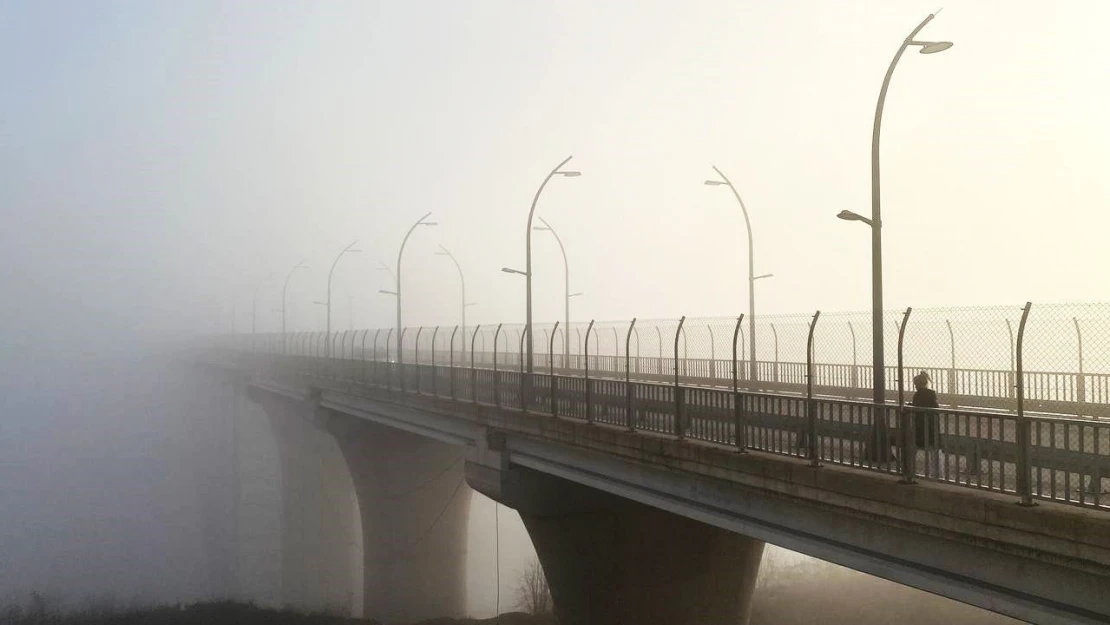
[952, 363]
[586, 354]
[811, 412]
[363, 350]
[659, 341]
[551, 368]
[628, 420]
[744, 354]
[1012, 384]
[401, 360]
[737, 415]
[712, 353]
[416, 358]
[496, 374]
[527, 333]
[854, 376]
[1024, 440]
[451, 362]
[905, 418]
[435, 380]
[1080, 379]
[679, 431]
[473, 373]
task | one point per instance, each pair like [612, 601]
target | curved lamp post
[546, 227]
[528, 249]
[397, 293]
[724, 181]
[328, 302]
[463, 304]
[926, 47]
[284, 290]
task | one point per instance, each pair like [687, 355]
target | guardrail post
[628, 419]
[496, 374]
[586, 354]
[679, 430]
[551, 368]
[737, 414]
[905, 418]
[1024, 440]
[811, 409]
[451, 363]
[473, 373]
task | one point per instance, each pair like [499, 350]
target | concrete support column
[414, 504]
[319, 532]
[612, 560]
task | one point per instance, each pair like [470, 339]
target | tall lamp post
[546, 227]
[558, 171]
[879, 372]
[463, 304]
[327, 339]
[724, 181]
[397, 293]
[284, 301]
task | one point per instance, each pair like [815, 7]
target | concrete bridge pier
[320, 536]
[612, 560]
[414, 504]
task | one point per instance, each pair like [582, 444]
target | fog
[164, 165]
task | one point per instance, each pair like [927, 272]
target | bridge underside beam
[612, 560]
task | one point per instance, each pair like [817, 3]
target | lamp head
[847, 215]
[932, 47]
[429, 223]
[541, 228]
[570, 174]
[387, 291]
[714, 183]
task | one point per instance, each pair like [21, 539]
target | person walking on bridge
[926, 422]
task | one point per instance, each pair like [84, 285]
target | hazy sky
[160, 159]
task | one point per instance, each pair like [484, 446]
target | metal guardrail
[1058, 459]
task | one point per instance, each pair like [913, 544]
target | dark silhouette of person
[926, 423]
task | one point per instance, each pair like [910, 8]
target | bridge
[679, 467]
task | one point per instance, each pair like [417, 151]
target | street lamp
[528, 250]
[400, 253]
[546, 227]
[462, 284]
[284, 289]
[875, 222]
[347, 249]
[724, 181]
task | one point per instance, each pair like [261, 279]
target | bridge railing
[1064, 460]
